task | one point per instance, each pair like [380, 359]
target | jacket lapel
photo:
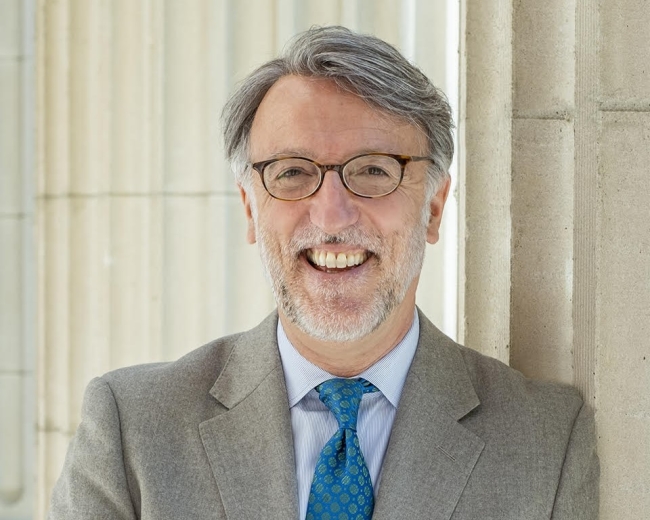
[430, 455]
[250, 446]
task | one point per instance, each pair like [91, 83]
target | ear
[246, 200]
[437, 205]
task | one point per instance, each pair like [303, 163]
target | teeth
[336, 260]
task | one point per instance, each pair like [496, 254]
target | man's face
[379, 241]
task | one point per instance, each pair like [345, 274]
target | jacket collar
[250, 445]
[430, 456]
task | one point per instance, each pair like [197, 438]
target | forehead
[315, 118]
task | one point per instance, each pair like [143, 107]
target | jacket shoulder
[497, 383]
[193, 373]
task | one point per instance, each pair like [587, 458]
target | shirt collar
[388, 374]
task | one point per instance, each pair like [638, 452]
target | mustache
[311, 237]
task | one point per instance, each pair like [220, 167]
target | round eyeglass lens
[372, 175]
[291, 178]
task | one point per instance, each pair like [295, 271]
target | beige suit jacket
[209, 437]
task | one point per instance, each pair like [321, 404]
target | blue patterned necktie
[342, 487]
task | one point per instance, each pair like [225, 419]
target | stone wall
[555, 137]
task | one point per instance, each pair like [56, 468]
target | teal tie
[342, 488]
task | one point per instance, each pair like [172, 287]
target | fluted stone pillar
[485, 156]
[141, 235]
[621, 225]
[17, 300]
[563, 102]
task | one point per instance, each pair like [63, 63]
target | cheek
[282, 219]
[395, 218]
[274, 232]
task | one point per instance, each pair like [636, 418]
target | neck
[350, 358]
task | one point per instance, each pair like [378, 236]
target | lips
[336, 260]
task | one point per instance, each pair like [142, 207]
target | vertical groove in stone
[486, 116]
[154, 92]
[14, 313]
[52, 169]
[222, 79]
[586, 197]
[542, 190]
[88, 198]
[54, 106]
[134, 182]
[89, 90]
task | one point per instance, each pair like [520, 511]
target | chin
[338, 319]
[334, 330]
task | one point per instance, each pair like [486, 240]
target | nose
[333, 206]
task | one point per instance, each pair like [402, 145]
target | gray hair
[360, 64]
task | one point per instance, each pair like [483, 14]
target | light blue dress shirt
[312, 422]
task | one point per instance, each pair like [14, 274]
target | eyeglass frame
[403, 161]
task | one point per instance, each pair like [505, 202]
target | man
[347, 402]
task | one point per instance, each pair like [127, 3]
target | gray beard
[325, 320]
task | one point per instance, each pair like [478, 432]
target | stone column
[575, 268]
[17, 300]
[485, 180]
[618, 110]
[545, 265]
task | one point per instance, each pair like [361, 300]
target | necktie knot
[342, 397]
[342, 487]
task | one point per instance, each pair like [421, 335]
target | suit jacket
[209, 437]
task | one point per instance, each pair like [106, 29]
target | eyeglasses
[370, 175]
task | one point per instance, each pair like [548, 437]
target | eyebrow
[307, 154]
[290, 153]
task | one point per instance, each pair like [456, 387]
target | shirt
[313, 424]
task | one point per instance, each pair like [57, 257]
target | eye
[373, 171]
[368, 171]
[289, 173]
[373, 168]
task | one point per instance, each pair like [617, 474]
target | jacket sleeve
[93, 484]
[577, 493]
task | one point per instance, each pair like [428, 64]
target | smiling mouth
[330, 261]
